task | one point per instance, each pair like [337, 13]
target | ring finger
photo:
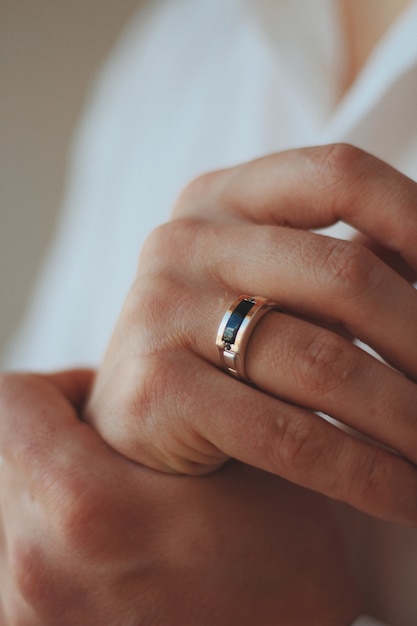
[311, 366]
[201, 430]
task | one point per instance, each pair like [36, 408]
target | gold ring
[235, 329]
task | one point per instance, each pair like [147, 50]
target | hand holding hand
[159, 398]
[88, 537]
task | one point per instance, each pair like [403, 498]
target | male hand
[90, 538]
[160, 398]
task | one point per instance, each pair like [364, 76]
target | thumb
[74, 384]
[39, 424]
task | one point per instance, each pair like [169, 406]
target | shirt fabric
[195, 85]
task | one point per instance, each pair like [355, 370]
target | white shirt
[196, 85]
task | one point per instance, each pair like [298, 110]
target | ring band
[235, 329]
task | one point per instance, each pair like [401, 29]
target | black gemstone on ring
[235, 320]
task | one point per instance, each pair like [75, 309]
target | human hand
[160, 400]
[88, 537]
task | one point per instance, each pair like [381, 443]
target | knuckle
[152, 392]
[372, 477]
[164, 435]
[38, 578]
[349, 269]
[165, 394]
[326, 363]
[170, 246]
[154, 314]
[157, 245]
[299, 445]
[337, 162]
[193, 198]
[145, 311]
[12, 386]
[151, 405]
[345, 171]
[76, 505]
[27, 571]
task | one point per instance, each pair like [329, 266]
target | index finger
[39, 421]
[44, 441]
[313, 188]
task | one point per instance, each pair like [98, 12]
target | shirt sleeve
[366, 620]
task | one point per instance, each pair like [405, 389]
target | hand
[89, 537]
[159, 398]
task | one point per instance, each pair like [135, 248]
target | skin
[65, 519]
[88, 537]
[160, 398]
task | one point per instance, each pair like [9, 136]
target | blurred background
[49, 53]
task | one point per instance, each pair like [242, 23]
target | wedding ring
[235, 330]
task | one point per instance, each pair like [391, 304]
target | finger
[73, 384]
[390, 258]
[287, 357]
[65, 495]
[43, 440]
[314, 276]
[192, 429]
[296, 361]
[315, 368]
[313, 188]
